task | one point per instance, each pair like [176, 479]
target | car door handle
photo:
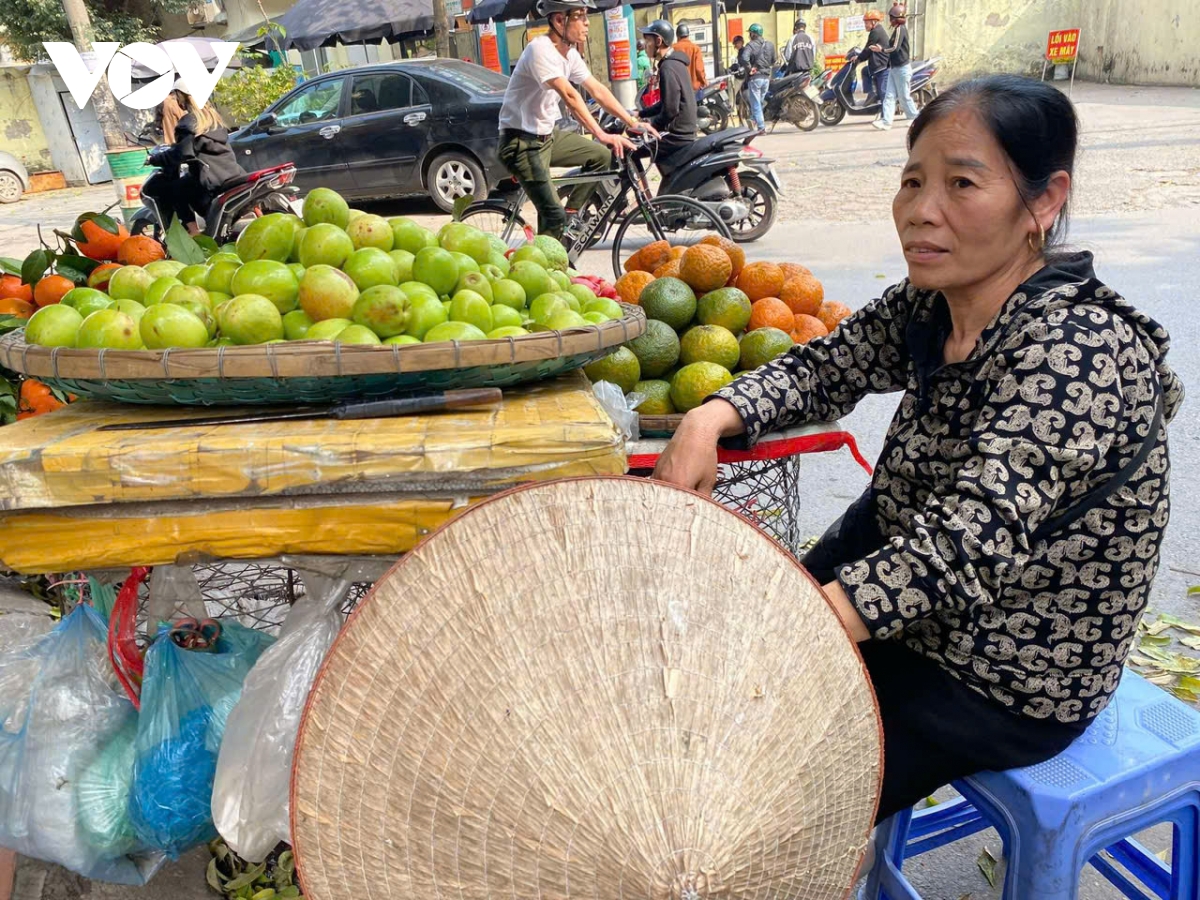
[329, 131]
[414, 118]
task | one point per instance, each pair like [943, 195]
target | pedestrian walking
[899, 81]
[689, 48]
[760, 57]
[878, 59]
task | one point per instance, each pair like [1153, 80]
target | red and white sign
[1062, 47]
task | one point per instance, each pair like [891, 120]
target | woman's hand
[690, 460]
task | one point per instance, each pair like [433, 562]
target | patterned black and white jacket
[1059, 392]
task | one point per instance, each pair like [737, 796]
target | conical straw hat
[603, 688]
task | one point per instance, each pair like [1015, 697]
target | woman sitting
[201, 152]
[995, 571]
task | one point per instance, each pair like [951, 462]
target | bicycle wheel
[494, 218]
[679, 220]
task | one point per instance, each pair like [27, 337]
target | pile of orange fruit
[786, 295]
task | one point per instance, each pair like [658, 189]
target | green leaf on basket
[987, 865]
[246, 879]
[181, 246]
[10, 266]
[213, 876]
[35, 266]
[80, 263]
[207, 244]
[460, 206]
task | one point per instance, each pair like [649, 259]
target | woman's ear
[1047, 207]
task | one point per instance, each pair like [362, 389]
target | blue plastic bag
[61, 708]
[187, 696]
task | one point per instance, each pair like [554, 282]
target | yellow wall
[20, 128]
[974, 36]
[1141, 41]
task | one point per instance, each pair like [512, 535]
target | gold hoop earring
[1041, 240]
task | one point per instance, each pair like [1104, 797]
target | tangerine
[705, 268]
[140, 250]
[649, 257]
[99, 237]
[832, 313]
[803, 294]
[793, 270]
[677, 252]
[101, 274]
[11, 288]
[629, 286]
[669, 269]
[737, 256]
[51, 289]
[771, 312]
[805, 328]
[35, 398]
[11, 306]
[760, 279]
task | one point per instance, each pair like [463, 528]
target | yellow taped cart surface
[74, 497]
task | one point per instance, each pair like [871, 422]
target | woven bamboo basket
[313, 372]
[594, 688]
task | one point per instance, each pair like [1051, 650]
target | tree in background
[27, 23]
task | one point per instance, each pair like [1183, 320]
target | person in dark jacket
[899, 83]
[674, 115]
[760, 60]
[200, 164]
[876, 54]
[995, 570]
[801, 52]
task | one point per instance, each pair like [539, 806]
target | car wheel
[454, 175]
[10, 187]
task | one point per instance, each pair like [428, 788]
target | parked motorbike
[712, 107]
[265, 191]
[791, 98]
[838, 98]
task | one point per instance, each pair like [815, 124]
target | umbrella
[202, 45]
[508, 10]
[593, 688]
[316, 23]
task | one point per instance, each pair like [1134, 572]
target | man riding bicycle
[551, 68]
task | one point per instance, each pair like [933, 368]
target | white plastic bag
[621, 407]
[254, 769]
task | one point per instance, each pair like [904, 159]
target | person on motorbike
[695, 57]
[674, 115]
[760, 59]
[801, 52]
[899, 83]
[550, 69]
[199, 165]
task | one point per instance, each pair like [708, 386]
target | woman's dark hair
[1035, 124]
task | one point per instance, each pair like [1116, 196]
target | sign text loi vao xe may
[168, 61]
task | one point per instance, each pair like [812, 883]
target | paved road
[1137, 208]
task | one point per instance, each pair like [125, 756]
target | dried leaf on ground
[987, 865]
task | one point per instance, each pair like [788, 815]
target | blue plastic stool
[1137, 765]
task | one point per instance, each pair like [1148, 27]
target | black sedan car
[422, 126]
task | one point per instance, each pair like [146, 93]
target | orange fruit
[832, 312]
[705, 268]
[11, 306]
[35, 398]
[140, 250]
[805, 328]
[11, 288]
[761, 279]
[736, 254]
[791, 270]
[649, 257]
[51, 289]
[629, 286]
[677, 252]
[99, 236]
[771, 312]
[803, 294]
[669, 269]
[101, 274]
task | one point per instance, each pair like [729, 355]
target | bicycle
[671, 217]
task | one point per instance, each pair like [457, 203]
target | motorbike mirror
[267, 121]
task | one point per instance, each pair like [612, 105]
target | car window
[471, 78]
[314, 103]
[380, 91]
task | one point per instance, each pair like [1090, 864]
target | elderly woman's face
[958, 214]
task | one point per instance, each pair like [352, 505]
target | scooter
[265, 191]
[838, 98]
[791, 98]
[712, 107]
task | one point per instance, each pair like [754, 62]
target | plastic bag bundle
[250, 797]
[60, 711]
[621, 407]
[187, 696]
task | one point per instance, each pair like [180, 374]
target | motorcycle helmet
[682, 31]
[756, 29]
[800, 25]
[872, 15]
[546, 8]
[897, 14]
[662, 30]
